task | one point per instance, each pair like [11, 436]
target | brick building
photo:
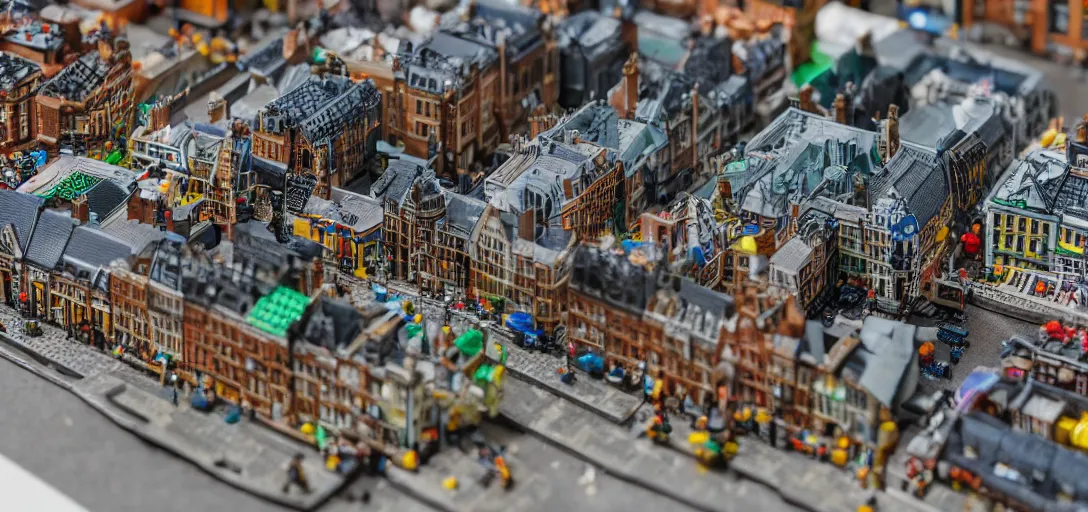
[670, 323]
[492, 243]
[474, 82]
[400, 210]
[128, 300]
[577, 182]
[89, 105]
[20, 80]
[327, 128]
[81, 288]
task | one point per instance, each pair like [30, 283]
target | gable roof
[50, 237]
[14, 69]
[79, 79]
[321, 106]
[21, 212]
[791, 256]
[917, 176]
[397, 180]
[462, 213]
[331, 120]
[91, 250]
[345, 323]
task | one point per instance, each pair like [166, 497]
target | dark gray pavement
[986, 330]
[66, 443]
[545, 479]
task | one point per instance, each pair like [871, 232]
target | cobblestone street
[542, 370]
[55, 345]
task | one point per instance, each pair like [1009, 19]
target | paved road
[986, 332]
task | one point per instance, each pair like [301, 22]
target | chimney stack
[628, 30]
[81, 210]
[892, 131]
[840, 109]
[628, 93]
[806, 102]
[217, 108]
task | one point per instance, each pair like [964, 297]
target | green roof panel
[275, 312]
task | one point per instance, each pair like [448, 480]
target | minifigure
[296, 476]
[659, 429]
[972, 243]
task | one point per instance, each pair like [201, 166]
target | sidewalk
[800, 479]
[71, 357]
[594, 394]
[637, 461]
[245, 455]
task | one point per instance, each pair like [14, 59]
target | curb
[222, 474]
[1001, 308]
[574, 399]
[46, 361]
[407, 490]
[619, 475]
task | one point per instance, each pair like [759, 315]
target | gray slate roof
[134, 234]
[14, 69]
[462, 213]
[358, 212]
[916, 175]
[50, 237]
[91, 249]
[398, 179]
[888, 351]
[79, 79]
[322, 107]
[21, 212]
[791, 256]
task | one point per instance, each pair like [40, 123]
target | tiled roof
[107, 197]
[77, 81]
[358, 212]
[21, 212]
[50, 237]
[327, 123]
[14, 69]
[791, 257]
[322, 107]
[916, 175]
[274, 313]
[134, 234]
[462, 213]
[596, 122]
[298, 104]
[333, 324]
[92, 248]
[398, 179]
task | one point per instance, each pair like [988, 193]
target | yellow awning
[747, 244]
[1070, 247]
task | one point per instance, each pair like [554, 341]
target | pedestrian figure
[296, 476]
[174, 389]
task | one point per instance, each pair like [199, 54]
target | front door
[40, 304]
